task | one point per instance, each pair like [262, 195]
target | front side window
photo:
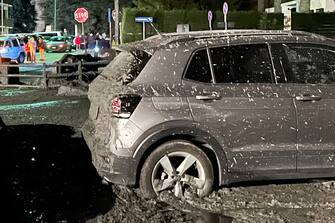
[199, 68]
[15, 42]
[310, 64]
[242, 64]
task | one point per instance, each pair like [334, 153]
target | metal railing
[45, 72]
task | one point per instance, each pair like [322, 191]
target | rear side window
[310, 64]
[242, 64]
[126, 66]
[199, 68]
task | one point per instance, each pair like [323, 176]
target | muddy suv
[185, 112]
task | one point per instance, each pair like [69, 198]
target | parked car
[10, 48]
[186, 112]
[48, 35]
[59, 44]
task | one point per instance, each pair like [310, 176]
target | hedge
[166, 21]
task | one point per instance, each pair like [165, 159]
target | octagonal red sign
[81, 15]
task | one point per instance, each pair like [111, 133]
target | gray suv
[187, 112]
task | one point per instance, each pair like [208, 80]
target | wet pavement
[49, 177]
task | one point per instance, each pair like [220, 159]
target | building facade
[6, 18]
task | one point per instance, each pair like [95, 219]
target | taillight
[124, 105]
[116, 105]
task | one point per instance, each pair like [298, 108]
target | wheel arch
[207, 143]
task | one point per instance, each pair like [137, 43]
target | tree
[97, 9]
[24, 15]
[165, 4]
[187, 4]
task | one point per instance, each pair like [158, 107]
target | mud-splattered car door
[234, 96]
[311, 76]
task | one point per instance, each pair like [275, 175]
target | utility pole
[2, 17]
[55, 15]
[116, 22]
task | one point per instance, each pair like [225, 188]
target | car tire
[195, 176]
[21, 58]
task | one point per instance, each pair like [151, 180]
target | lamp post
[2, 17]
[55, 15]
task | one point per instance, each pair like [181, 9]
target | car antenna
[155, 29]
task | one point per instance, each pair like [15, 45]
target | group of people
[92, 42]
[33, 45]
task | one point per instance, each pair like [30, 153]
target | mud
[49, 177]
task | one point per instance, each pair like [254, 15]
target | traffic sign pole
[210, 17]
[225, 11]
[110, 26]
[143, 20]
[116, 21]
[143, 30]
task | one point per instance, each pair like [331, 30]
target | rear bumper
[117, 169]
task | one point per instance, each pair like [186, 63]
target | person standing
[32, 49]
[91, 44]
[27, 49]
[41, 48]
[77, 42]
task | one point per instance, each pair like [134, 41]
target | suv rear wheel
[178, 167]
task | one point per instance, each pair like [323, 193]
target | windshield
[57, 39]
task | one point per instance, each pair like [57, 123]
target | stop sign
[81, 15]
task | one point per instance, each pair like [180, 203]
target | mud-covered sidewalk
[48, 177]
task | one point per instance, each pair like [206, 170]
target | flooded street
[49, 177]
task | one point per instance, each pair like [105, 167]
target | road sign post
[225, 12]
[210, 17]
[143, 20]
[81, 16]
[116, 21]
[110, 26]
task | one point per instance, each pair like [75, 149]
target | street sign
[144, 19]
[109, 13]
[225, 11]
[210, 17]
[81, 15]
[225, 8]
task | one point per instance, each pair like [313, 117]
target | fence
[11, 72]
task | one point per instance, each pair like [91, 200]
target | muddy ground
[48, 177]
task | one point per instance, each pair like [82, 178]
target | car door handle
[308, 98]
[207, 97]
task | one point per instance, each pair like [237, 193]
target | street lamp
[2, 17]
[55, 15]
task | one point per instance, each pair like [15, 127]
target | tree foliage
[97, 10]
[186, 4]
[24, 16]
[165, 4]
